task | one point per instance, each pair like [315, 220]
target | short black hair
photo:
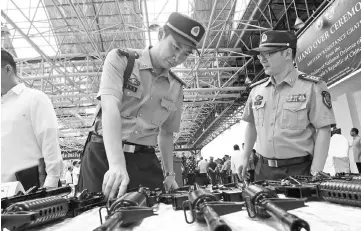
[294, 51]
[7, 58]
[254, 151]
[355, 130]
[236, 147]
[166, 30]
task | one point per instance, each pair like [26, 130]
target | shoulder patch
[177, 78]
[311, 78]
[259, 82]
[125, 52]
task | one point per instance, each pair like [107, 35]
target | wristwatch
[169, 174]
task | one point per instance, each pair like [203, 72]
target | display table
[321, 216]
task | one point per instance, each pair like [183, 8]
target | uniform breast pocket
[166, 107]
[258, 112]
[131, 100]
[294, 116]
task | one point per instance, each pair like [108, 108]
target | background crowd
[216, 171]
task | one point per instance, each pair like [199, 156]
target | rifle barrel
[214, 221]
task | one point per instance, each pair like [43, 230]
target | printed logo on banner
[330, 13]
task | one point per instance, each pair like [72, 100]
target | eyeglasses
[267, 55]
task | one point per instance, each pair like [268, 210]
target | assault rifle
[128, 209]
[342, 188]
[206, 207]
[263, 202]
[24, 212]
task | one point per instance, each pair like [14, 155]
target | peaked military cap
[185, 30]
[275, 40]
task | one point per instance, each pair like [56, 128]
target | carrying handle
[190, 209]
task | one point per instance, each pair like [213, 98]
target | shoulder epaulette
[177, 78]
[258, 82]
[311, 78]
[125, 52]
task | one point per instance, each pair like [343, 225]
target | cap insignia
[264, 38]
[195, 31]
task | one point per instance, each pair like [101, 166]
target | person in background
[202, 166]
[76, 172]
[219, 163]
[356, 147]
[337, 160]
[236, 159]
[184, 169]
[69, 176]
[29, 131]
[226, 170]
[212, 170]
[191, 166]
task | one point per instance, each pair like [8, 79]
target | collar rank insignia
[310, 78]
[134, 81]
[296, 98]
[326, 98]
[259, 82]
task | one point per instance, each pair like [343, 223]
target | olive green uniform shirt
[287, 116]
[148, 102]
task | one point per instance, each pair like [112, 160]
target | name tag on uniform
[130, 87]
[128, 148]
[257, 103]
[296, 98]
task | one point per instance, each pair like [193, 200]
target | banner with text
[331, 46]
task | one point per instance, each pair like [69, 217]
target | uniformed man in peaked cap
[120, 153]
[289, 113]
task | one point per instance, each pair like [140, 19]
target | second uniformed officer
[290, 113]
[137, 113]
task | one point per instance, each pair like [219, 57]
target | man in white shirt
[68, 176]
[29, 128]
[356, 147]
[76, 172]
[337, 160]
[236, 161]
[202, 166]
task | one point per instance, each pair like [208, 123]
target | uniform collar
[290, 79]
[18, 88]
[146, 62]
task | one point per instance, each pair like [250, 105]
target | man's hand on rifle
[115, 180]
[170, 183]
[242, 172]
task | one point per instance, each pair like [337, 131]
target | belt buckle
[272, 163]
[128, 148]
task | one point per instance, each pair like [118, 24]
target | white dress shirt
[76, 172]
[337, 153]
[236, 161]
[202, 165]
[29, 131]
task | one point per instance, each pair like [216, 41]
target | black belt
[127, 146]
[275, 163]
